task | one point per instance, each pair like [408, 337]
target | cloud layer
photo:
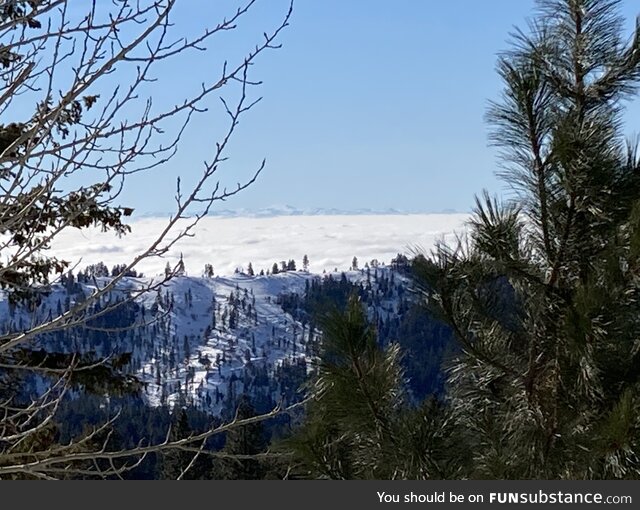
[227, 243]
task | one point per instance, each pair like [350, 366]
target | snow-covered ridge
[199, 340]
[203, 341]
[232, 337]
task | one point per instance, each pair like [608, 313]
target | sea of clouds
[329, 241]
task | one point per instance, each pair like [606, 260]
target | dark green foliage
[321, 296]
[178, 464]
[175, 462]
[139, 423]
[90, 373]
[428, 344]
[360, 424]
[427, 339]
[248, 440]
[543, 295]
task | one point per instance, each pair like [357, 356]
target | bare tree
[77, 118]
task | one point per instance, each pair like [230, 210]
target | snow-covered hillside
[206, 341]
[232, 336]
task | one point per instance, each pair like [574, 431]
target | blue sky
[369, 104]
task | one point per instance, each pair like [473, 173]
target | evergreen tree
[542, 294]
[248, 440]
[180, 269]
[361, 424]
[543, 298]
[178, 463]
[174, 462]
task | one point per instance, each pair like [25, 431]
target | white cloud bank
[227, 243]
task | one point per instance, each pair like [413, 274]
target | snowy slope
[262, 338]
[205, 340]
[201, 341]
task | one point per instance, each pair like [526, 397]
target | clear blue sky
[369, 104]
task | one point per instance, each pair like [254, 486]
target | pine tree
[248, 440]
[178, 463]
[543, 295]
[180, 270]
[173, 462]
[361, 424]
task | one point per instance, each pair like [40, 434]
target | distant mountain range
[288, 210]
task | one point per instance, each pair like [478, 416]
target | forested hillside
[205, 345]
